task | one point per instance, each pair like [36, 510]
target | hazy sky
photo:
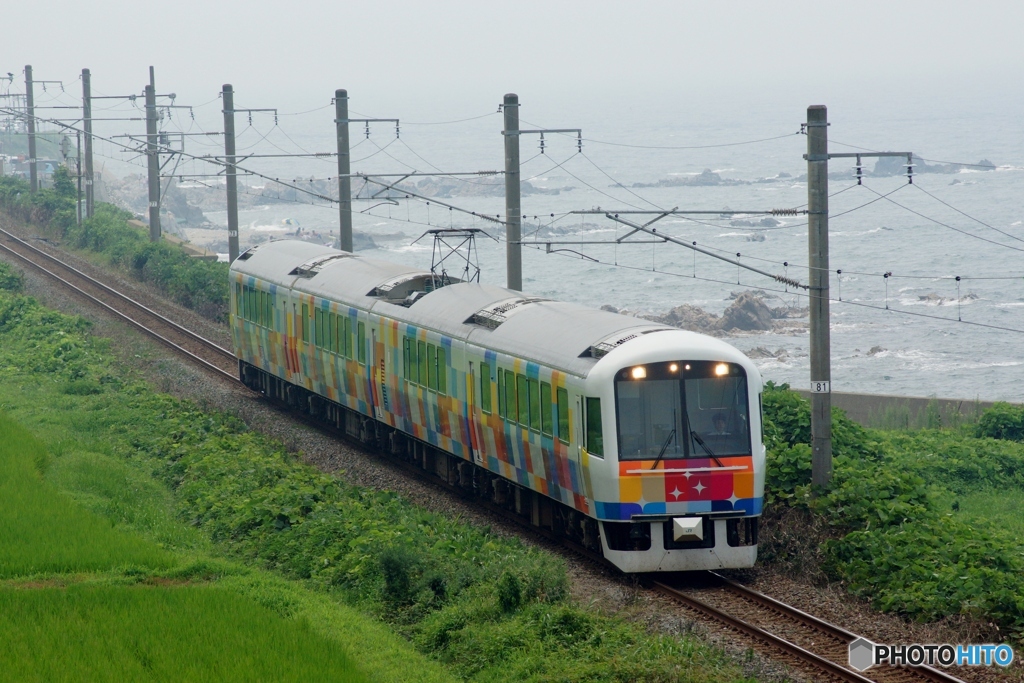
[442, 56]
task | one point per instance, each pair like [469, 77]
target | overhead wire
[945, 225]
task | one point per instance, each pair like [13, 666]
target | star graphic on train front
[699, 487]
[675, 493]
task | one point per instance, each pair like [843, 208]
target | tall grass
[43, 531]
[193, 633]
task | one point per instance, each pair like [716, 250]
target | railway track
[800, 638]
[181, 340]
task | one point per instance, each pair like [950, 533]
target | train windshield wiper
[696, 437]
[661, 453]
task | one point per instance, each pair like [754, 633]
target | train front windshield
[694, 409]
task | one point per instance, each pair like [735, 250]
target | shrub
[10, 280]
[1002, 421]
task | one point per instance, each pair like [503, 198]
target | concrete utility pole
[817, 246]
[344, 169]
[513, 201]
[30, 105]
[87, 121]
[228, 95]
[153, 158]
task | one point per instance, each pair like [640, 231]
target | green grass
[188, 633]
[43, 531]
[1003, 508]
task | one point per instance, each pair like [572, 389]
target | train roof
[560, 335]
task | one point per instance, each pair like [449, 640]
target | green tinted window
[263, 308]
[361, 343]
[595, 441]
[332, 332]
[421, 362]
[405, 357]
[442, 371]
[534, 387]
[501, 392]
[346, 337]
[318, 330]
[545, 408]
[304, 323]
[238, 299]
[432, 366]
[563, 415]
[511, 407]
[485, 388]
[523, 399]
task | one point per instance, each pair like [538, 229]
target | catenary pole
[87, 123]
[344, 171]
[228, 95]
[78, 173]
[817, 245]
[513, 204]
[30, 105]
[153, 158]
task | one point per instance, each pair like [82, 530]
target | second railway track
[159, 327]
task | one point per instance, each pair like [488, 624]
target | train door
[473, 415]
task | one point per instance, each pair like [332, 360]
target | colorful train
[638, 441]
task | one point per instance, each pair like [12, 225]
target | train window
[595, 439]
[318, 327]
[421, 363]
[361, 343]
[406, 358]
[269, 317]
[432, 366]
[247, 303]
[485, 388]
[511, 409]
[442, 371]
[331, 322]
[238, 299]
[562, 399]
[346, 337]
[263, 307]
[545, 408]
[523, 399]
[501, 393]
[534, 388]
[304, 323]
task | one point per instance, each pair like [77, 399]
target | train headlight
[721, 369]
[639, 372]
[673, 368]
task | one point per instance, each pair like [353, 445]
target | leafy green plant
[1002, 421]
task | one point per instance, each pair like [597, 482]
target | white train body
[640, 441]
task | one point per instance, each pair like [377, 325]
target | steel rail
[119, 314]
[821, 625]
[782, 609]
[764, 636]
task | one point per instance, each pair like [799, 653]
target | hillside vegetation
[890, 525]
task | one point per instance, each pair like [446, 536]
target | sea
[917, 332]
